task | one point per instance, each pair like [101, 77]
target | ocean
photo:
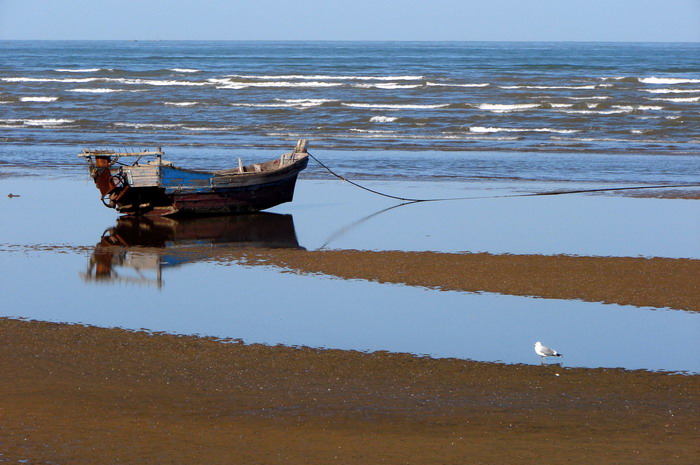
[486, 121]
[392, 99]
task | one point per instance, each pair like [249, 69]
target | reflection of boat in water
[137, 248]
[159, 188]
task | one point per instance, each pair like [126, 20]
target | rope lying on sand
[579, 191]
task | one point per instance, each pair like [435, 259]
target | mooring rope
[578, 191]
[367, 188]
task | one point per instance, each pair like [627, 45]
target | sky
[457, 20]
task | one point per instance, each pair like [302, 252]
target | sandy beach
[79, 394]
[83, 395]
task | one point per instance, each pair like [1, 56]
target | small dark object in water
[10, 195]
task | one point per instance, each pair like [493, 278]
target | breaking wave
[672, 91]
[383, 119]
[380, 106]
[652, 80]
[388, 86]
[678, 99]
[78, 70]
[503, 108]
[655, 80]
[38, 99]
[288, 103]
[37, 122]
[29, 79]
[97, 90]
[485, 130]
[236, 85]
[439, 84]
[325, 77]
[548, 87]
[148, 125]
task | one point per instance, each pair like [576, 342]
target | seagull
[544, 351]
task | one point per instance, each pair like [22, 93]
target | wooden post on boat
[240, 165]
[301, 146]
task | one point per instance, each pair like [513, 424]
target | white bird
[544, 351]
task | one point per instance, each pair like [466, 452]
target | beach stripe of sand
[642, 282]
[85, 395]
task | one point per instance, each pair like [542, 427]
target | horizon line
[367, 40]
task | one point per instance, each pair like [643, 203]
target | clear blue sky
[526, 20]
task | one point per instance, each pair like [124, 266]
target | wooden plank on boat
[143, 176]
[115, 153]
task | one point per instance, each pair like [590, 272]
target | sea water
[455, 96]
[411, 119]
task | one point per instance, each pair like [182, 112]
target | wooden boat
[159, 188]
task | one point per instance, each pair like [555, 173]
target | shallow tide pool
[47, 245]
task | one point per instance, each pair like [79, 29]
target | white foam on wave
[612, 139]
[263, 105]
[307, 102]
[549, 87]
[287, 103]
[202, 129]
[158, 82]
[130, 81]
[383, 119]
[185, 70]
[227, 84]
[324, 77]
[371, 131]
[440, 84]
[47, 122]
[595, 97]
[597, 112]
[14, 122]
[672, 91]
[78, 70]
[394, 107]
[70, 80]
[388, 86]
[181, 104]
[656, 80]
[38, 99]
[148, 125]
[653, 80]
[507, 108]
[484, 130]
[562, 105]
[97, 90]
[677, 100]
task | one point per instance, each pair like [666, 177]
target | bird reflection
[137, 249]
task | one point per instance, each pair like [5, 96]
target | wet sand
[654, 282]
[83, 395]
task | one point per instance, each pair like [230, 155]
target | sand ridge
[646, 282]
[83, 395]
